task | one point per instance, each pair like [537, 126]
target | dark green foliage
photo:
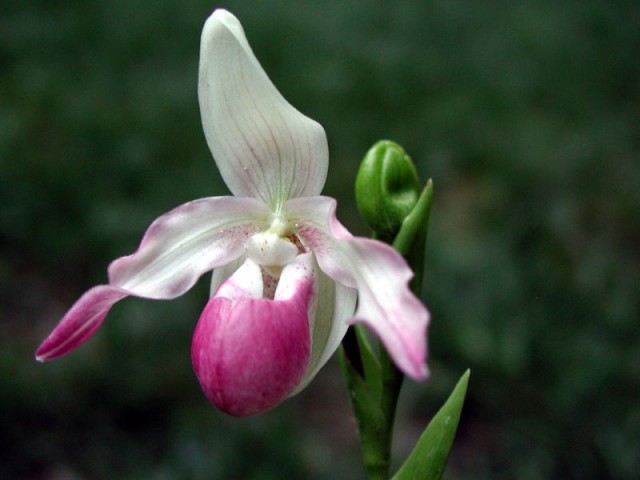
[526, 115]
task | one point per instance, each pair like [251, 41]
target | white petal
[262, 145]
[380, 274]
[336, 304]
[187, 242]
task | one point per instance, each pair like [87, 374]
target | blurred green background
[526, 115]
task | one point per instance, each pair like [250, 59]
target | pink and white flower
[288, 278]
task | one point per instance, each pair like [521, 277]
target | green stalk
[374, 383]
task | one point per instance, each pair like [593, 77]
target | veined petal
[250, 353]
[188, 241]
[80, 322]
[336, 304]
[380, 274]
[177, 248]
[385, 302]
[263, 146]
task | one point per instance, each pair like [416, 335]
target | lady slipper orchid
[286, 273]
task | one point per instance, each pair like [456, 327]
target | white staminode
[269, 249]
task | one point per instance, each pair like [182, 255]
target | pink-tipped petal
[387, 305]
[249, 353]
[380, 274]
[176, 249]
[263, 146]
[80, 322]
[186, 242]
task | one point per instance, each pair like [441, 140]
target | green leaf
[429, 458]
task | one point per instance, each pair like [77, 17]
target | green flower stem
[374, 383]
[373, 425]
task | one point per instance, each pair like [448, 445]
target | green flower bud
[387, 187]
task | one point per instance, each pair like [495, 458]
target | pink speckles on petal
[377, 271]
[186, 242]
[248, 353]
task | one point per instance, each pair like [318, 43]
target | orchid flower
[288, 278]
